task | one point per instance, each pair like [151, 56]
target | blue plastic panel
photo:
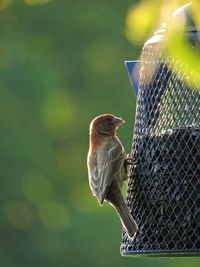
[133, 68]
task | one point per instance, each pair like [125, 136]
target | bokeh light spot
[13, 55]
[54, 216]
[58, 111]
[36, 2]
[19, 215]
[5, 3]
[84, 200]
[36, 188]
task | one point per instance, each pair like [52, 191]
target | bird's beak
[119, 121]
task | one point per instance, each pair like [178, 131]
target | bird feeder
[164, 187]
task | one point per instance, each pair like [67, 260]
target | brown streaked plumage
[106, 158]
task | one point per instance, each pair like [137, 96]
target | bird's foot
[129, 160]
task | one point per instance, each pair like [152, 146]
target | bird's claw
[129, 160]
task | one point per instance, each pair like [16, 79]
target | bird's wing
[93, 173]
[109, 162]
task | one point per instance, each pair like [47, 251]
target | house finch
[106, 167]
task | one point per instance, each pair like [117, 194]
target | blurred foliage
[148, 16]
[61, 64]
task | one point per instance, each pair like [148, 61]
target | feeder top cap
[182, 19]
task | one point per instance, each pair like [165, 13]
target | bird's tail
[115, 198]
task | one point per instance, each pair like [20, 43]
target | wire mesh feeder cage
[164, 188]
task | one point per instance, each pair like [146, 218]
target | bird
[106, 162]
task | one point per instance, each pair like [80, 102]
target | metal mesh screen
[164, 188]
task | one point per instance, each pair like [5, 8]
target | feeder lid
[182, 18]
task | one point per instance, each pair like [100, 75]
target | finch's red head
[106, 124]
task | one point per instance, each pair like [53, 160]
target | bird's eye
[109, 119]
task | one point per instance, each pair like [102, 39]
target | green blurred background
[61, 64]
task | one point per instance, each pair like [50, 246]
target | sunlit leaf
[141, 19]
